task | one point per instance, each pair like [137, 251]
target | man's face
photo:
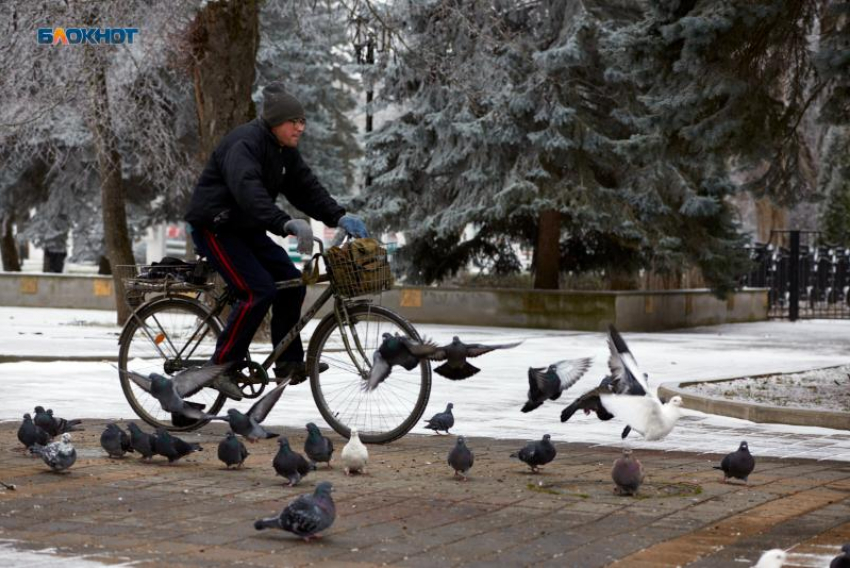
[288, 133]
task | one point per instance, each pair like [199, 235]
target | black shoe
[296, 371]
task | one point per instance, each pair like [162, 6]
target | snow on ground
[10, 556]
[487, 404]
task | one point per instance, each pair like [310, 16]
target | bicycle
[175, 330]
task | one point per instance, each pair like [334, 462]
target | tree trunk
[547, 267]
[224, 40]
[119, 249]
[103, 266]
[770, 217]
[8, 247]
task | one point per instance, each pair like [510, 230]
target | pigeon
[646, 415]
[455, 354]
[115, 441]
[30, 434]
[738, 464]
[772, 559]
[624, 378]
[396, 350]
[58, 455]
[317, 447]
[52, 425]
[548, 383]
[170, 391]
[142, 442]
[461, 458]
[354, 454]
[305, 516]
[173, 447]
[627, 474]
[536, 454]
[248, 425]
[291, 465]
[843, 559]
[232, 451]
[441, 421]
[180, 420]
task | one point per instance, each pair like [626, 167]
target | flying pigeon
[772, 559]
[305, 516]
[455, 354]
[142, 442]
[173, 447]
[248, 425]
[170, 391]
[843, 559]
[738, 464]
[396, 350]
[115, 441]
[291, 465]
[536, 454]
[627, 474]
[441, 421]
[461, 458]
[54, 426]
[547, 383]
[317, 447]
[646, 415]
[624, 378]
[354, 454]
[30, 434]
[58, 455]
[232, 451]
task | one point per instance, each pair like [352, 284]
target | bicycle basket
[358, 268]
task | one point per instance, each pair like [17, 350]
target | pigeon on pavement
[305, 516]
[548, 383]
[738, 464]
[442, 421]
[455, 354]
[58, 455]
[843, 559]
[142, 442]
[248, 425]
[461, 458]
[45, 420]
[396, 350]
[232, 451]
[354, 454]
[317, 447]
[30, 434]
[115, 441]
[173, 447]
[289, 464]
[774, 558]
[536, 454]
[170, 391]
[627, 474]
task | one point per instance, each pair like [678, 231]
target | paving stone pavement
[409, 511]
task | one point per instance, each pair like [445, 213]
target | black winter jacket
[244, 176]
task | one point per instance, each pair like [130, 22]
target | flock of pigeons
[624, 393]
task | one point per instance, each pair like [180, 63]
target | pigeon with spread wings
[455, 354]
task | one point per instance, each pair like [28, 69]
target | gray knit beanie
[280, 106]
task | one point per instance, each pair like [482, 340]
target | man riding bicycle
[232, 208]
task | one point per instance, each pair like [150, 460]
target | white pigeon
[354, 454]
[646, 414]
[774, 558]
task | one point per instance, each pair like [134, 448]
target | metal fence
[806, 278]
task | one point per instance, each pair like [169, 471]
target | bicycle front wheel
[165, 337]
[380, 416]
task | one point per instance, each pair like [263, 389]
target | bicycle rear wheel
[165, 337]
[380, 416]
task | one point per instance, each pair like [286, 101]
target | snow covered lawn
[819, 389]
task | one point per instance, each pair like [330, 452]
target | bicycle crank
[255, 383]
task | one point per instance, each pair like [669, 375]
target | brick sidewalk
[408, 509]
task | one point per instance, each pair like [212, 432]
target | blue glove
[353, 226]
[301, 230]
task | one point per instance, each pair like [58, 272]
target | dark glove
[301, 230]
[353, 226]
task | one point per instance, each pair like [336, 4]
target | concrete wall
[590, 311]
